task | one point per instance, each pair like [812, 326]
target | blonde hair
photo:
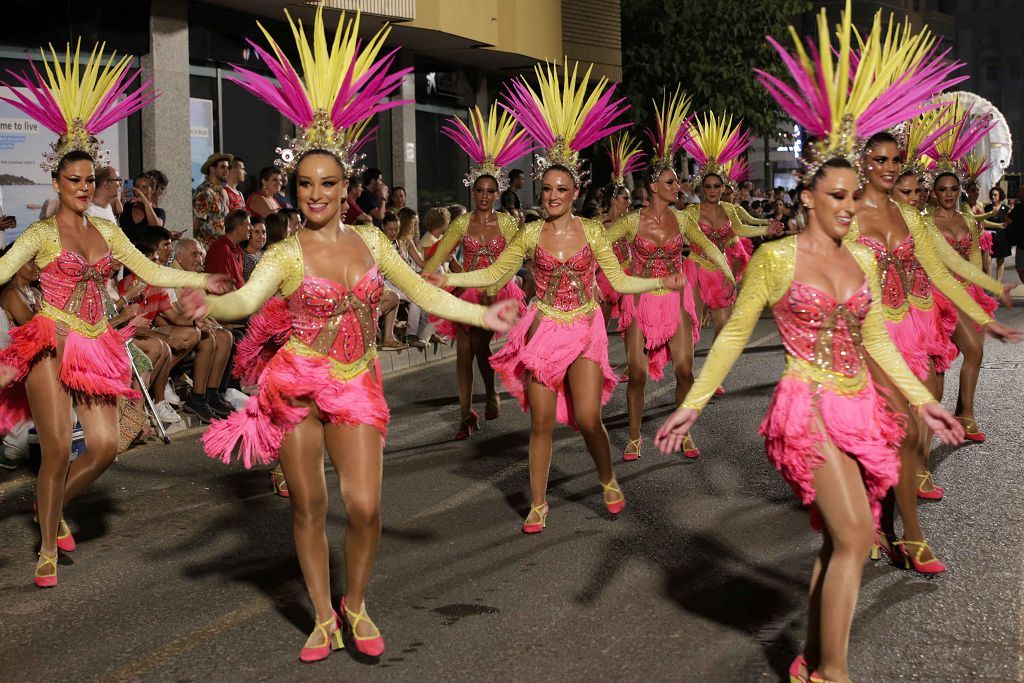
[435, 217]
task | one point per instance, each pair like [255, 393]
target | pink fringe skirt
[265, 334]
[608, 293]
[548, 354]
[95, 367]
[476, 296]
[658, 316]
[740, 253]
[922, 341]
[985, 241]
[951, 314]
[712, 285]
[257, 430]
[861, 425]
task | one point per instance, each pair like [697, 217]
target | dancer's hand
[193, 304]
[1003, 333]
[674, 281]
[436, 279]
[669, 438]
[945, 426]
[501, 316]
[1007, 300]
[776, 228]
[218, 283]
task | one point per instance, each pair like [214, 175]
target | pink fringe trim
[862, 426]
[258, 429]
[93, 367]
[985, 241]
[658, 316]
[265, 334]
[712, 285]
[740, 253]
[951, 314]
[608, 293]
[548, 354]
[920, 340]
[512, 291]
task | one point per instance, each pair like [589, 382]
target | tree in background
[712, 49]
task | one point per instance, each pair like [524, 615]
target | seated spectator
[226, 255]
[263, 201]
[188, 255]
[254, 247]
[391, 296]
[354, 213]
[454, 211]
[435, 222]
[396, 200]
[374, 196]
[294, 219]
[417, 324]
[139, 212]
[276, 225]
[106, 198]
[161, 238]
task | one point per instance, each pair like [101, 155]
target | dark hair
[371, 174]
[997, 188]
[103, 173]
[70, 158]
[158, 177]
[489, 177]
[713, 175]
[456, 210]
[389, 217]
[396, 188]
[608, 193]
[515, 173]
[235, 219]
[835, 162]
[155, 234]
[292, 180]
[235, 161]
[880, 138]
[268, 172]
[277, 227]
[944, 174]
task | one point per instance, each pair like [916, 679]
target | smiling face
[320, 185]
[258, 236]
[905, 190]
[882, 165]
[830, 203]
[273, 184]
[558, 192]
[665, 187]
[712, 187]
[947, 192]
[75, 184]
[485, 192]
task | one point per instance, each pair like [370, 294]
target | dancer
[626, 157]
[961, 229]
[322, 388]
[68, 354]
[828, 430]
[715, 143]
[556, 359]
[483, 234]
[661, 324]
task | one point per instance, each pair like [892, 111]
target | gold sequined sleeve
[877, 341]
[21, 252]
[692, 232]
[624, 226]
[147, 271]
[275, 271]
[745, 225]
[620, 282]
[747, 219]
[507, 263]
[753, 297]
[425, 295]
[938, 259]
[449, 241]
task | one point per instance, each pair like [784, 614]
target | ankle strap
[612, 486]
[354, 619]
[47, 560]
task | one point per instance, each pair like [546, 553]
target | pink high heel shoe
[794, 670]
[332, 641]
[46, 580]
[371, 646]
[632, 450]
[542, 514]
[65, 541]
[614, 506]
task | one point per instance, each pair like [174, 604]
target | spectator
[435, 222]
[639, 198]
[159, 185]
[188, 255]
[374, 196]
[294, 217]
[396, 202]
[510, 200]
[390, 298]
[1015, 230]
[254, 247]
[236, 176]
[226, 255]
[210, 201]
[529, 216]
[106, 199]
[140, 213]
[263, 201]
[454, 211]
[417, 324]
[160, 238]
[354, 213]
[277, 227]
[1001, 246]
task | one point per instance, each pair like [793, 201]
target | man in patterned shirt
[210, 200]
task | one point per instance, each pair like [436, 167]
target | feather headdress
[841, 97]
[490, 146]
[342, 84]
[77, 103]
[962, 133]
[974, 165]
[738, 172]
[714, 142]
[626, 157]
[671, 129]
[917, 135]
[561, 117]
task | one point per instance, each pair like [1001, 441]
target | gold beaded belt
[339, 371]
[823, 378]
[565, 317]
[67, 322]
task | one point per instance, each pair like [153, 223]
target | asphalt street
[185, 569]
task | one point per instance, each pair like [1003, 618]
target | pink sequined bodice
[334, 321]
[565, 285]
[901, 273]
[73, 285]
[621, 249]
[962, 246]
[476, 254]
[720, 236]
[651, 260]
[816, 329]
